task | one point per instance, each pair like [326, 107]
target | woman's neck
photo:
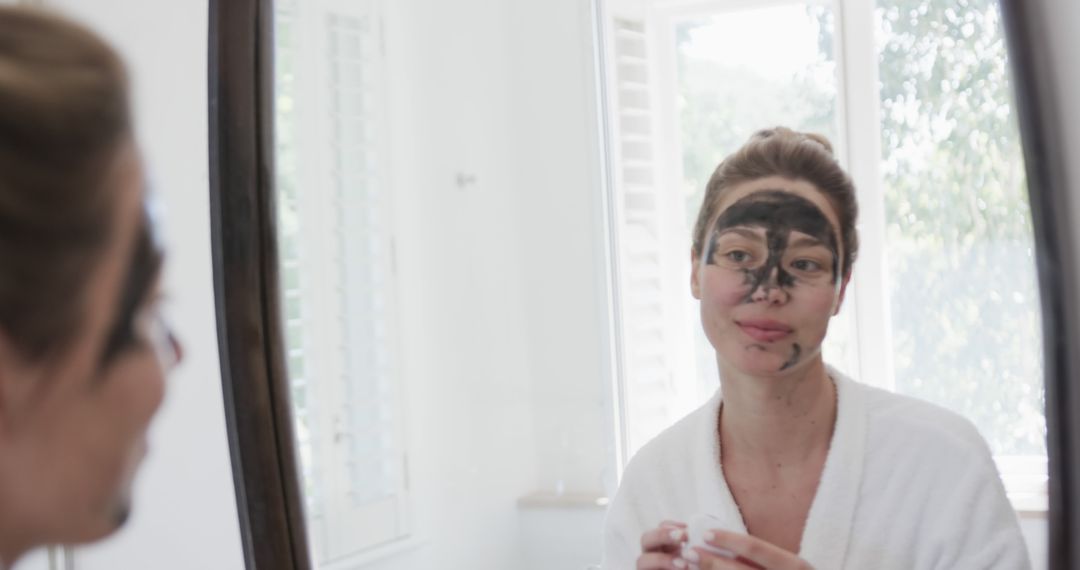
[773, 419]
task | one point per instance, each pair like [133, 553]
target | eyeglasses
[159, 334]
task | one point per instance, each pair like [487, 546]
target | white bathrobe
[907, 486]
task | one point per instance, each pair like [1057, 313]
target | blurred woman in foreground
[83, 352]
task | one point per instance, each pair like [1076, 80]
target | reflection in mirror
[943, 305]
[481, 334]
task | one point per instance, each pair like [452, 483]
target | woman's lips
[764, 330]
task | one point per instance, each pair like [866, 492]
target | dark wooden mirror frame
[250, 339]
[1045, 160]
[246, 290]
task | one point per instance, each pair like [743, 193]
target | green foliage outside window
[965, 305]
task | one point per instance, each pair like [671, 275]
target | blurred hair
[799, 156]
[63, 119]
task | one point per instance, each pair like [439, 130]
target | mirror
[483, 215]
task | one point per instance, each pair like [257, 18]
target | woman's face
[74, 427]
[769, 276]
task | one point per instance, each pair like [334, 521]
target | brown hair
[783, 152]
[63, 119]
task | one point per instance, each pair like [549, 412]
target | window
[964, 297]
[944, 304]
[333, 200]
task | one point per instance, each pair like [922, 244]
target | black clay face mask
[779, 213]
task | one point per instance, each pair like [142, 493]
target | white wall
[185, 508]
[463, 322]
[499, 280]
[557, 167]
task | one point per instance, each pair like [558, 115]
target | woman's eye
[738, 256]
[805, 265]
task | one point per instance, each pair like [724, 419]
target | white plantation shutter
[334, 210]
[655, 349]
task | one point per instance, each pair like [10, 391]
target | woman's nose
[769, 290]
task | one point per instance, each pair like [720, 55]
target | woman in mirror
[83, 351]
[792, 465]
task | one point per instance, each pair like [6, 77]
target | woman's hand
[750, 552]
[661, 547]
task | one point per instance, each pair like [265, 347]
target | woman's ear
[695, 288]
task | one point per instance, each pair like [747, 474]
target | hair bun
[819, 139]
[787, 133]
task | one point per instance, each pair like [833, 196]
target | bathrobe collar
[832, 512]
